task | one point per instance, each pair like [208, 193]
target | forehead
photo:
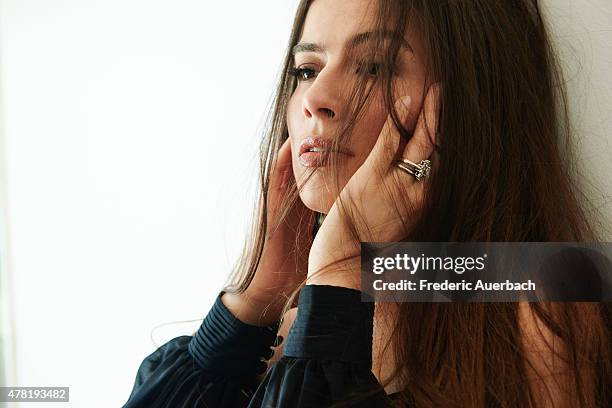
[343, 24]
[331, 22]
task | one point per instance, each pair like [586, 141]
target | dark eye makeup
[372, 69]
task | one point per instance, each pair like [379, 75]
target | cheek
[372, 125]
[370, 128]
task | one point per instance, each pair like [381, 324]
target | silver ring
[419, 171]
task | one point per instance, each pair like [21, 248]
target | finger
[422, 144]
[281, 170]
[283, 156]
[432, 113]
[388, 142]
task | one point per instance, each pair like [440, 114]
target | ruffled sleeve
[327, 356]
[217, 367]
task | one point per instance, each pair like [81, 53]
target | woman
[471, 88]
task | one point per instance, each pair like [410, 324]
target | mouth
[315, 151]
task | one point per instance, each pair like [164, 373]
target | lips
[315, 150]
[317, 143]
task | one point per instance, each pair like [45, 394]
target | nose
[322, 100]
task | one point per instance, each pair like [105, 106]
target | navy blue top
[327, 358]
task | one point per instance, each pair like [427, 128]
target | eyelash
[298, 72]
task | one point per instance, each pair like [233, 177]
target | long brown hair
[505, 174]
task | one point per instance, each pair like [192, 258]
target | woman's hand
[384, 211]
[281, 268]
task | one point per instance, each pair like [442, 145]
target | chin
[317, 194]
[317, 200]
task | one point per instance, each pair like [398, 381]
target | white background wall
[131, 131]
[130, 135]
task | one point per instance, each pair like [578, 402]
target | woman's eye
[364, 68]
[370, 68]
[302, 74]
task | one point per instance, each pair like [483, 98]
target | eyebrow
[355, 41]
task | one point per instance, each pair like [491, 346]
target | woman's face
[316, 109]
